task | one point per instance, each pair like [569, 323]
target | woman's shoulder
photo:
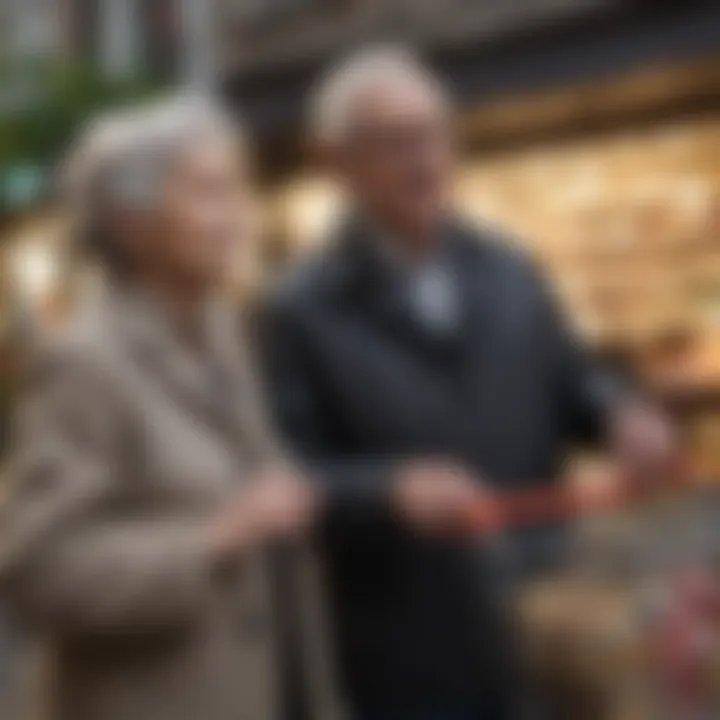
[79, 352]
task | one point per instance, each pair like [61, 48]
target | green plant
[64, 99]
[46, 105]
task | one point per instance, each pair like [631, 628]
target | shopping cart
[668, 558]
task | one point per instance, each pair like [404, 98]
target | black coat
[358, 386]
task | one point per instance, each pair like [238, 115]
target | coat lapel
[486, 334]
[215, 384]
[159, 348]
[375, 286]
[476, 285]
[462, 363]
[248, 423]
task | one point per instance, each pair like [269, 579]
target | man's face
[397, 159]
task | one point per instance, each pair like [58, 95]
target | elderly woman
[148, 485]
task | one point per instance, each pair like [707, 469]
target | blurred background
[590, 130]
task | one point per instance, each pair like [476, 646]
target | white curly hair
[121, 160]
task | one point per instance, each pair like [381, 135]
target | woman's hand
[278, 503]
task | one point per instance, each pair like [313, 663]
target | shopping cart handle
[552, 502]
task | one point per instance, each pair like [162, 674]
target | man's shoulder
[487, 245]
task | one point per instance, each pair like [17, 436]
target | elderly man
[418, 363]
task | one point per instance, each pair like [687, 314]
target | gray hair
[121, 161]
[337, 96]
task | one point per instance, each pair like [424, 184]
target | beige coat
[126, 445]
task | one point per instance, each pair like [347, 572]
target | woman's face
[201, 213]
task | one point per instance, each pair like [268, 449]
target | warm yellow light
[34, 270]
[312, 206]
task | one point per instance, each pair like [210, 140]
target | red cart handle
[511, 509]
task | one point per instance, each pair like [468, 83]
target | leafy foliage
[54, 103]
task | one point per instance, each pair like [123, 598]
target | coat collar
[214, 382]
[360, 260]
[148, 325]
[367, 281]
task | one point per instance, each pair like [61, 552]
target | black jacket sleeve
[356, 488]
